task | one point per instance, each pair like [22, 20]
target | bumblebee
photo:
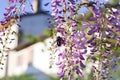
[59, 41]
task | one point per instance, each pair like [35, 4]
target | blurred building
[31, 57]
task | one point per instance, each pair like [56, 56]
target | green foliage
[79, 26]
[48, 32]
[116, 74]
[21, 77]
[57, 78]
[113, 2]
[31, 38]
[117, 50]
[90, 76]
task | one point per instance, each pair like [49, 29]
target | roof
[39, 38]
[33, 24]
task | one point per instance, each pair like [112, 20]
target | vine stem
[90, 7]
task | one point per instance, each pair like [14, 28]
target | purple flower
[77, 61]
[72, 1]
[97, 12]
[93, 19]
[12, 1]
[61, 55]
[59, 63]
[89, 41]
[94, 50]
[62, 66]
[82, 65]
[61, 74]
[75, 42]
[81, 57]
[93, 43]
[84, 51]
[20, 1]
[79, 72]
[118, 28]
[75, 54]
[46, 4]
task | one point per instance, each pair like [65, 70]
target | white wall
[38, 54]
[41, 55]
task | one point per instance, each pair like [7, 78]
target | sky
[28, 9]
[45, 8]
[83, 10]
[2, 8]
[5, 4]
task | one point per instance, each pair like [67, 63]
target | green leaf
[117, 50]
[102, 50]
[112, 40]
[48, 32]
[31, 38]
[79, 26]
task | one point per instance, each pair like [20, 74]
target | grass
[21, 77]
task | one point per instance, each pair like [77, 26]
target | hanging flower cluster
[12, 11]
[11, 17]
[70, 40]
[104, 40]
[12, 1]
[73, 38]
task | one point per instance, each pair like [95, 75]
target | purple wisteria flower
[11, 16]
[70, 38]
[100, 33]
[13, 1]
